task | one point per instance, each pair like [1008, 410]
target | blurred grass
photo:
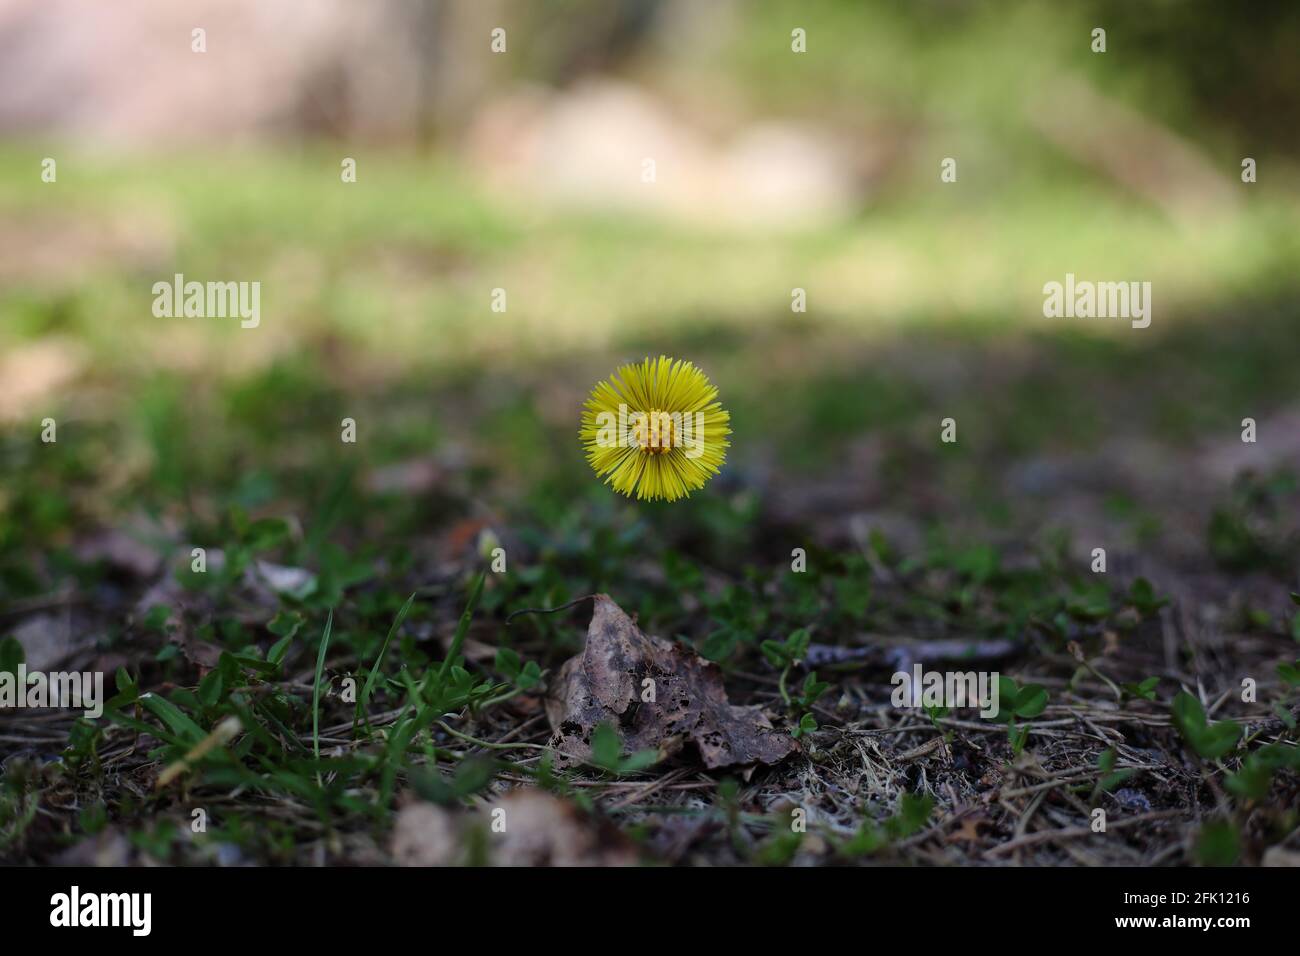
[399, 268]
[379, 293]
[924, 301]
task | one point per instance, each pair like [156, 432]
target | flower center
[655, 432]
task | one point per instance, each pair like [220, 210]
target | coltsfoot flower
[655, 429]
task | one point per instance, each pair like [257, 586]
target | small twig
[485, 743]
[1067, 833]
[547, 610]
[929, 747]
[642, 792]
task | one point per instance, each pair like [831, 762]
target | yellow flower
[656, 429]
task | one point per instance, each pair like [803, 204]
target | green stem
[505, 697]
[485, 743]
[462, 628]
[780, 685]
[364, 700]
[315, 698]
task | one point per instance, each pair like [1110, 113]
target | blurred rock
[539, 830]
[109, 848]
[587, 147]
[543, 830]
[1280, 856]
[125, 72]
[1277, 444]
[33, 375]
[124, 550]
[59, 249]
[426, 835]
[49, 639]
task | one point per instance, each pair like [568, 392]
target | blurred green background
[523, 171]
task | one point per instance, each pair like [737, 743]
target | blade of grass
[315, 697]
[254, 727]
[462, 628]
[364, 700]
[177, 721]
[404, 731]
[141, 727]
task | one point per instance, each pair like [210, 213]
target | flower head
[655, 429]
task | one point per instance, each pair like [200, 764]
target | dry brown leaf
[608, 681]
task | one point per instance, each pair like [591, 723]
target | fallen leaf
[607, 682]
[298, 582]
[462, 534]
[196, 650]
